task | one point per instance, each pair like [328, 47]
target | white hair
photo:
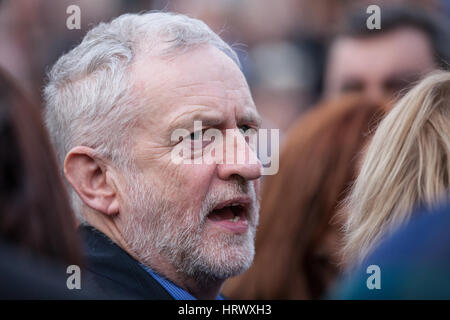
[88, 96]
[406, 164]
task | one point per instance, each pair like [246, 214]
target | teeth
[234, 204]
[235, 219]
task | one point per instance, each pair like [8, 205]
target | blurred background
[283, 44]
[297, 56]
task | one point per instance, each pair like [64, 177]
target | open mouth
[231, 215]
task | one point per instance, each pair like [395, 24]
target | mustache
[232, 190]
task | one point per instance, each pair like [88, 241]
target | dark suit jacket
[112, 273]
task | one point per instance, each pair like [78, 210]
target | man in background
[380, 63]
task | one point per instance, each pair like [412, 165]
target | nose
[239, 159]
[375, 93]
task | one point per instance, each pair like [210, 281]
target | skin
[201, 84]
[378, 66]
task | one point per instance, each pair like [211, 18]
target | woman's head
[34, 212]
[406, 164]
[296, 239]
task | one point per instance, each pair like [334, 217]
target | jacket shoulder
[111, 273]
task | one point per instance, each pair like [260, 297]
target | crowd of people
[88, 178]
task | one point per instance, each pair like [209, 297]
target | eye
[352, 86]
[195, 135]
[196, 139]
[244, 128]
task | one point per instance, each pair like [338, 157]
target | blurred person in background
[280, 83]
[381, 63]
[38, 237]
[414, 262]
[34, 33]
[407, 164]
[298, 238]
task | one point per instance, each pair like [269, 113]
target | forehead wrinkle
[209, 90]
[199, 84]
[216, 97]
[189, 116]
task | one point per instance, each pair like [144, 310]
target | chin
[224, 259]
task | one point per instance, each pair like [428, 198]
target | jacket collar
[115, 268]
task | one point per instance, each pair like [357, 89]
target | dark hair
[392, 17]
[318, 162]
[34, 210]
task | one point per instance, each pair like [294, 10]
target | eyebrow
[186, 119]
[251, 116]
[210, 119]
[405, 77]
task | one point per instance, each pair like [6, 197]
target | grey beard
[158, 226]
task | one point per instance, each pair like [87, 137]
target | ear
[91, 180]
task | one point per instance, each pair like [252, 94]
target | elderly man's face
[180, 213]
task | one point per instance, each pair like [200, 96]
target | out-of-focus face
[378, 66]
[182, 214]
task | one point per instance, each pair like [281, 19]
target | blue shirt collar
[176, 292]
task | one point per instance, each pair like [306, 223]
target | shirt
[175, 291]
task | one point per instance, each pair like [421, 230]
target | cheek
[193, 183]
[257, 185]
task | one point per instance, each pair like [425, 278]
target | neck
[206, 289]
[203, 290]
[107, 226]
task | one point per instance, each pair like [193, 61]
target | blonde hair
[406, 164]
